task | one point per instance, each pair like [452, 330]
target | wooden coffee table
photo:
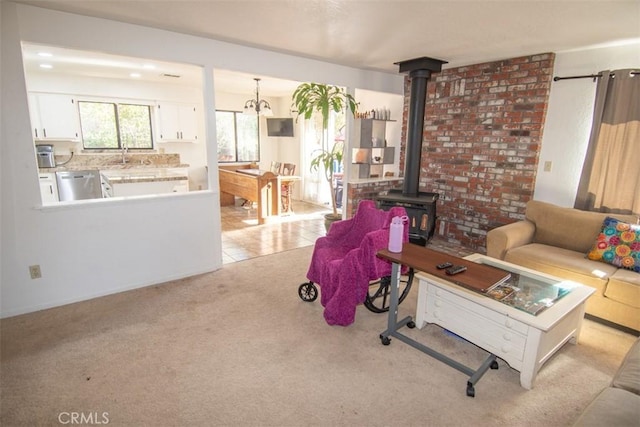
[524, 340]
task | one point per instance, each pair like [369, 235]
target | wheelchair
[378, 295]
[345, 266]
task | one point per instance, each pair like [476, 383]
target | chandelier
[257, 106]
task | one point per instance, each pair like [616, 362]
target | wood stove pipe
[419, 70]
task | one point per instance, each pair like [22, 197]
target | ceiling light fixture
[47, 66]
[135, 75]
[257, 106]
[45, 54]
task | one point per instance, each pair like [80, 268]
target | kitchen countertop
[129, 176]
[117, 166]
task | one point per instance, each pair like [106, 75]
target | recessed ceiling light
[149, 66]
[45, 54]
[135, 75]
[47, 66]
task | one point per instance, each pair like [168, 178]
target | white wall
[569, 114]
[94, 249]
[284, 150]
[289, 149]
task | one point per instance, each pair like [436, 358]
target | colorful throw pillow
[618, 244]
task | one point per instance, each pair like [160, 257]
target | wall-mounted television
[280, 126]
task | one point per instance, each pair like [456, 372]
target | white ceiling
[96, 64]
[373, 34]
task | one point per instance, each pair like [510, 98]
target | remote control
[444, 265]
[455, 269]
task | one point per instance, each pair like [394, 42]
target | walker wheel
[308, 292]
[385, 340]
[471, 392]
[494, 365]
[411, 324]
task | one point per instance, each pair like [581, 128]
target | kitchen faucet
[124, 153]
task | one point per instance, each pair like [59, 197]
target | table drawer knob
[507, 337]
[438, 292]
[508, 324]
[438, 303]
[505, 348]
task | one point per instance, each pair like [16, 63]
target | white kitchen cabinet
[180, 187]
[107, 189]
[177, 122]
[48, 188]
[143, 181]
[54, 117]
[154, 187]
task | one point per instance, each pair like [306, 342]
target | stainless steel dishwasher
[79, 185]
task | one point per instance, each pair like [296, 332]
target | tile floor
[243, 238]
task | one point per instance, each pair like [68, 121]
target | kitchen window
[108, 125]
[238, 137]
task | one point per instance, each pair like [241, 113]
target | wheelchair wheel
[379, 295]
[308, 292]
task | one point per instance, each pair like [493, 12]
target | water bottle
[396, 230]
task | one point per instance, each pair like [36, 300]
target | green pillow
[618, 244]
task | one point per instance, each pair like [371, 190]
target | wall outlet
[547, 166]
[34, 271]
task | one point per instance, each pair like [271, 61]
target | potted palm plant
[310, 98]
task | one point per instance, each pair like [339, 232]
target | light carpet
[237, 347]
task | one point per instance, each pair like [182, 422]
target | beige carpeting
[238, 347]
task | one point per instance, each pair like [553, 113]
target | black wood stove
[420, 206]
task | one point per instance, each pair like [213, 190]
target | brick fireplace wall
[482, 135]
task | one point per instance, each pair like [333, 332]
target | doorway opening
[243, 238]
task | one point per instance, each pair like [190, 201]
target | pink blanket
[345, 261]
